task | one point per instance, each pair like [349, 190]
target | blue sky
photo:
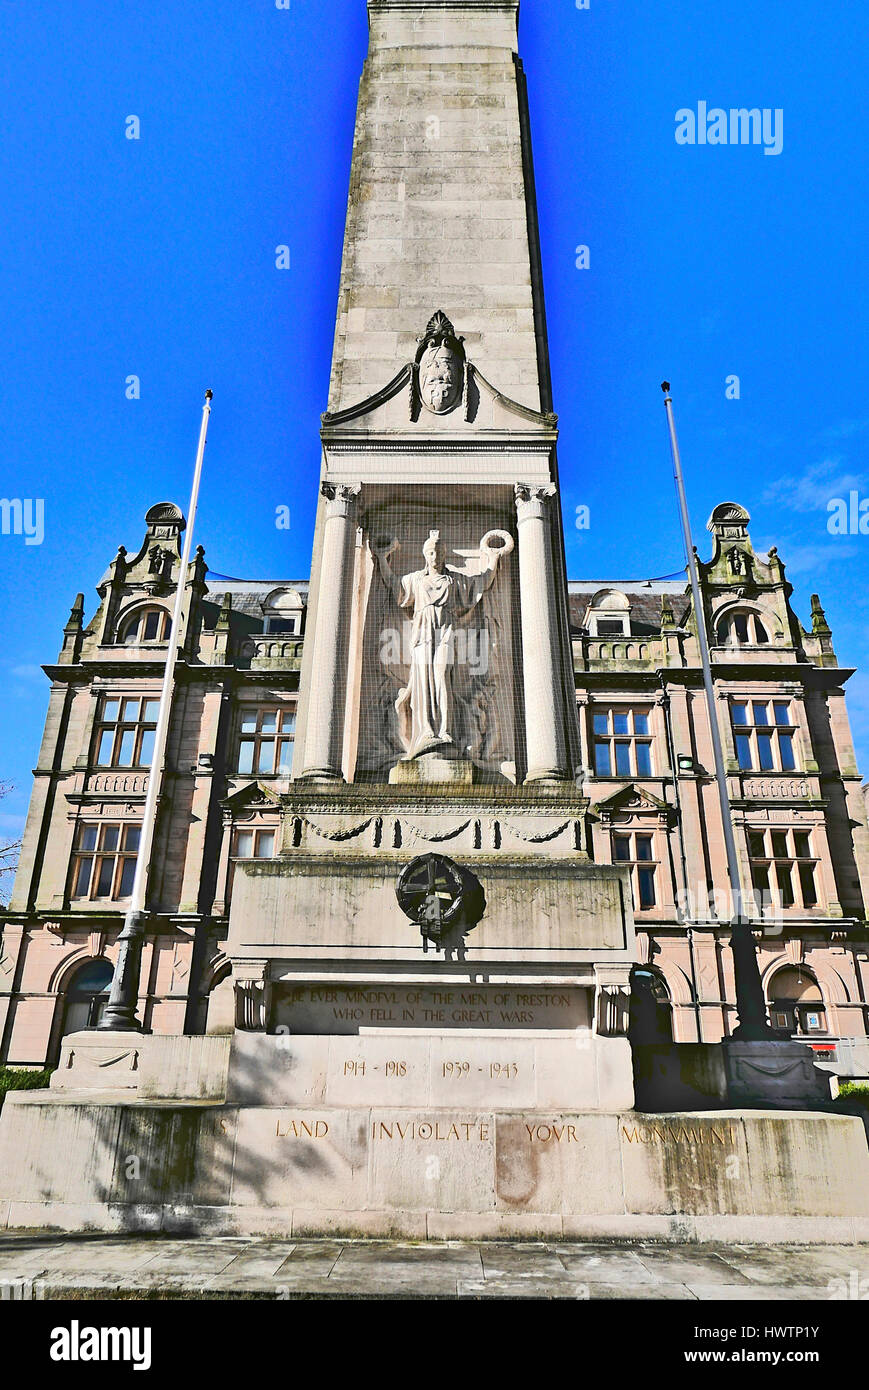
[156, 258]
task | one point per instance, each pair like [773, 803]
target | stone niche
[485, 672]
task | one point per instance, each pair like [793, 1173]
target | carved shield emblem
[440, 378]
[440, 366]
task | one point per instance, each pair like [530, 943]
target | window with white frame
[282, 611]
[636, 849]
[104, 861]
[622, 741]
[764, 735]
[254, 844]
[783, 869]
[125, 729]
[609, 614]
[145, 625]
[265, 742]
[742, 629]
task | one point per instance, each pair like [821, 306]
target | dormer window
[742, 629]
[145, 625]
[282, 611]
[609, 614]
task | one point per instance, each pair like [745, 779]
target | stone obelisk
[441, 218]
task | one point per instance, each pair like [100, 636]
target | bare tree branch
[9, 850]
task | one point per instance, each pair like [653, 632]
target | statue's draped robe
[425, 707]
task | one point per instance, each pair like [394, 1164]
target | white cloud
[814, 488]
[805, 557]
[846, 429]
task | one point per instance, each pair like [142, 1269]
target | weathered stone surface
[394, 1065]
[447, 1173]
[439, 155]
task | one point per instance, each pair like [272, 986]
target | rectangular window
[124, 735]
[783, 869]
[644, 759]
[265, 744]
[104, 861]
[786, 752]
[637, 850]
[622, 742]
[254, 844]
[763, 733]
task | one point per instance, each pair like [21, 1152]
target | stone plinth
[464, 1171]
[429, 769]
[91, 1060]
[775, 1074]
[433, 1070]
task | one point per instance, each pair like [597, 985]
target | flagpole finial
[665, 387]
[209, 395]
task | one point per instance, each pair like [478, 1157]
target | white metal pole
[120, 1011]
[750, 1002]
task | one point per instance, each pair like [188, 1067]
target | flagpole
[120, 1011]
[750, 1001]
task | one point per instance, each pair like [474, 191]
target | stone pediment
[398, 409]
[250, 798]
[633, 801]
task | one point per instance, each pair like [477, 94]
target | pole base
[775, 1073]
[118, 1020]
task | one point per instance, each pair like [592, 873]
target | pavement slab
[60, 1266]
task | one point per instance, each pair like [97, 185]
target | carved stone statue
[439, 597]
[738, 562]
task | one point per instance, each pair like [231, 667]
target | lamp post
[120, 1011]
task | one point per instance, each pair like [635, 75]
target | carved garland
[537, 839]
[343, 834]
[435, 838]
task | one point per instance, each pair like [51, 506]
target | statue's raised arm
[494, 546]
[382, 549]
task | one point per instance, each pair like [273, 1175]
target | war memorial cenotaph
[432, 977]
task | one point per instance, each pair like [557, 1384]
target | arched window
[742, 629]
[145, 625]
[796, 1004]
[651, 1014]
[86, 996]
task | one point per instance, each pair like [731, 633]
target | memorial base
[429, 1173]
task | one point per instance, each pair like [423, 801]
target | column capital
[340, 497]
[531, 499]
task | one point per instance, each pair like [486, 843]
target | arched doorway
[796, 1004]
[651, 1012]
[86, 996]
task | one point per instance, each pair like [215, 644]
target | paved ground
[40, 1266]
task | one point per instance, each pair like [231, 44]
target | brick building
[454, 430]
[645, 767]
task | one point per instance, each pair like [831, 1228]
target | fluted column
[324, 735]
[541, 673]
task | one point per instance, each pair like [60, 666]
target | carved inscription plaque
[358, 1008]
